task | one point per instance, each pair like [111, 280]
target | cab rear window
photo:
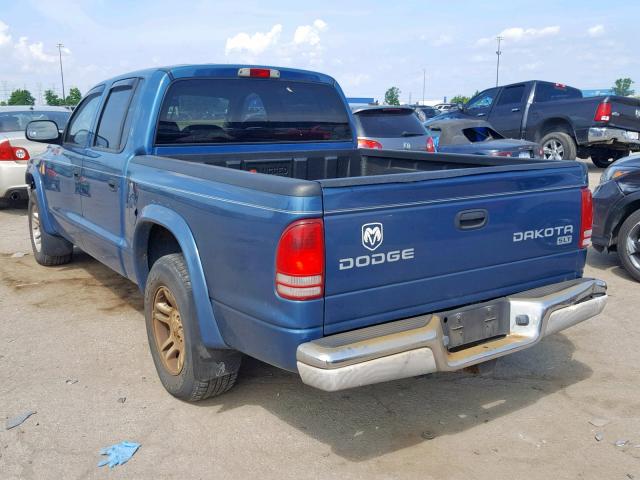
[388, 123]
[251, 110]
[549, 92]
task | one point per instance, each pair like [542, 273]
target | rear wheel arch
[557, 139]
[556, 125]
[158, 224]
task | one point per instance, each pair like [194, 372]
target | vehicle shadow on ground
[23, 275]
[126, 293]
[607, 261]
[17, 208]
[367, 422]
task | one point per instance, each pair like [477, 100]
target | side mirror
[460, 106]
[43, 131]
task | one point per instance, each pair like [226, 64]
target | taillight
[300, 261]
[366, 143]
[8, 152]
[586, 219]
[603, 112]
[500, 154]
[431, 147]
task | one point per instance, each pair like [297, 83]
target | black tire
[558, 146]
[602, 157]
[629, 232]
[48, 250]
[194, 373]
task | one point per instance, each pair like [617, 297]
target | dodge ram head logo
[372, 235]
[371, 239]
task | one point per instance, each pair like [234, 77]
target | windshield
[17, 121]
[251, 110]
[388, 123]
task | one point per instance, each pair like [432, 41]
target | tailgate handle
[471, 219]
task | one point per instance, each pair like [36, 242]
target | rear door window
[110, 127]
[251, 110]
[388, 123]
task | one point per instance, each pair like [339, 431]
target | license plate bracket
[468, 326]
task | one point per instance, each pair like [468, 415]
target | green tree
[623, 87]
[74, 96]
[21, 97]
[52, 99]
[459, 99]
[3, 103]
[392, 96]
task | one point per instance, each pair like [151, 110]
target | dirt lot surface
[73, 346]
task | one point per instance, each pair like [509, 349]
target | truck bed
[340, 167]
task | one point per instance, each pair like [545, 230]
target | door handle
[113, 186]
[472, 219]
[481, 115]
[517, 109]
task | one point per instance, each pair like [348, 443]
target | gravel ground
[73, 346]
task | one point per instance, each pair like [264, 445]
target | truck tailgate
[625, 113]
[405, 248]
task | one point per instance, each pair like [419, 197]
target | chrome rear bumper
[613, 135]
[418, 345]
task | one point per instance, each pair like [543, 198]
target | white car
[15, 149]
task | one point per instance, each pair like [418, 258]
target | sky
[368, 46]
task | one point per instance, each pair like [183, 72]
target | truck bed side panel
[236, 230]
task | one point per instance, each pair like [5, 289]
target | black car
[616, 213]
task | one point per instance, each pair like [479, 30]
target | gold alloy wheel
[168, 330]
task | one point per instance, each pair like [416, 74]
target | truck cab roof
[221, 71]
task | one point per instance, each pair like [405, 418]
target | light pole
[64, 97]
[498, 53]
[424, 83]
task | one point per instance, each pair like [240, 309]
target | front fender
[167, 218]
[32, 177]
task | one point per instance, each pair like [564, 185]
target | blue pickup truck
[237, 199]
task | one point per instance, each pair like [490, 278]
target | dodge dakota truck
[237, 199]
[560, 119]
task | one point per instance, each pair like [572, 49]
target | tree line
[22, 96]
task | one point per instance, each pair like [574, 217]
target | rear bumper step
[418, 345]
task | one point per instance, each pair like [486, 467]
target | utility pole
[61, 73]
[424, 83]
[498, 53]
